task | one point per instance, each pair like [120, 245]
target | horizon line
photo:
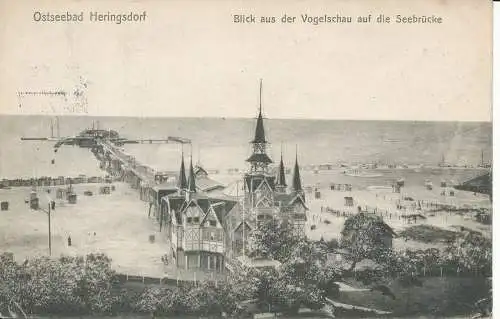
[250, 118]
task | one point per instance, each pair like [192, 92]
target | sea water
[222, 143]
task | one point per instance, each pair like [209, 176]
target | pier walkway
[118, 163]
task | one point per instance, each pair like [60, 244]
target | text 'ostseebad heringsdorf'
[92, 16]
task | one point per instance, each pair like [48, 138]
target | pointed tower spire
[296, 182]
[260, 135]
[281, 180]
[191, 181]
[182, 175]
[259, 160]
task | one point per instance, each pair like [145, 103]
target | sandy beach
[384, 201]
[122, 227]
[119, 221]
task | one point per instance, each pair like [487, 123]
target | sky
[189, 59]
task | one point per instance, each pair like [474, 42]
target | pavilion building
[266, 196]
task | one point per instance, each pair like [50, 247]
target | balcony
[210, 246]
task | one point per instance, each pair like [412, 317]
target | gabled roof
[206, 184]
[220, 204]
[289, 199]
[240, 224]
[180, 205]
[216, 210]
[198, 208]
[257, 181]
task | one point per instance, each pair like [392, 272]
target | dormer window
[213, 223]
[196, 219]
[189, 220]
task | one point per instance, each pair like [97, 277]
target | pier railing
[144, 172]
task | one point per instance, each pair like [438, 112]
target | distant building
[205, 183]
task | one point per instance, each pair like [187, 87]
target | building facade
[193, 222]
[205, 226]
[267, 195]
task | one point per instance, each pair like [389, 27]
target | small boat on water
[360, 173]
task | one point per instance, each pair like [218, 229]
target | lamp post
[48, 215]
[51, 206]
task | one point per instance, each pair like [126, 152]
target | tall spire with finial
[259, 159]
[260, 135]
[296, 182]
[182, 175]
[281, 180]
[191, 180]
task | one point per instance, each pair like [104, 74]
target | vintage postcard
[246, 159]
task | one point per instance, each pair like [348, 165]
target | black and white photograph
[246, 159]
